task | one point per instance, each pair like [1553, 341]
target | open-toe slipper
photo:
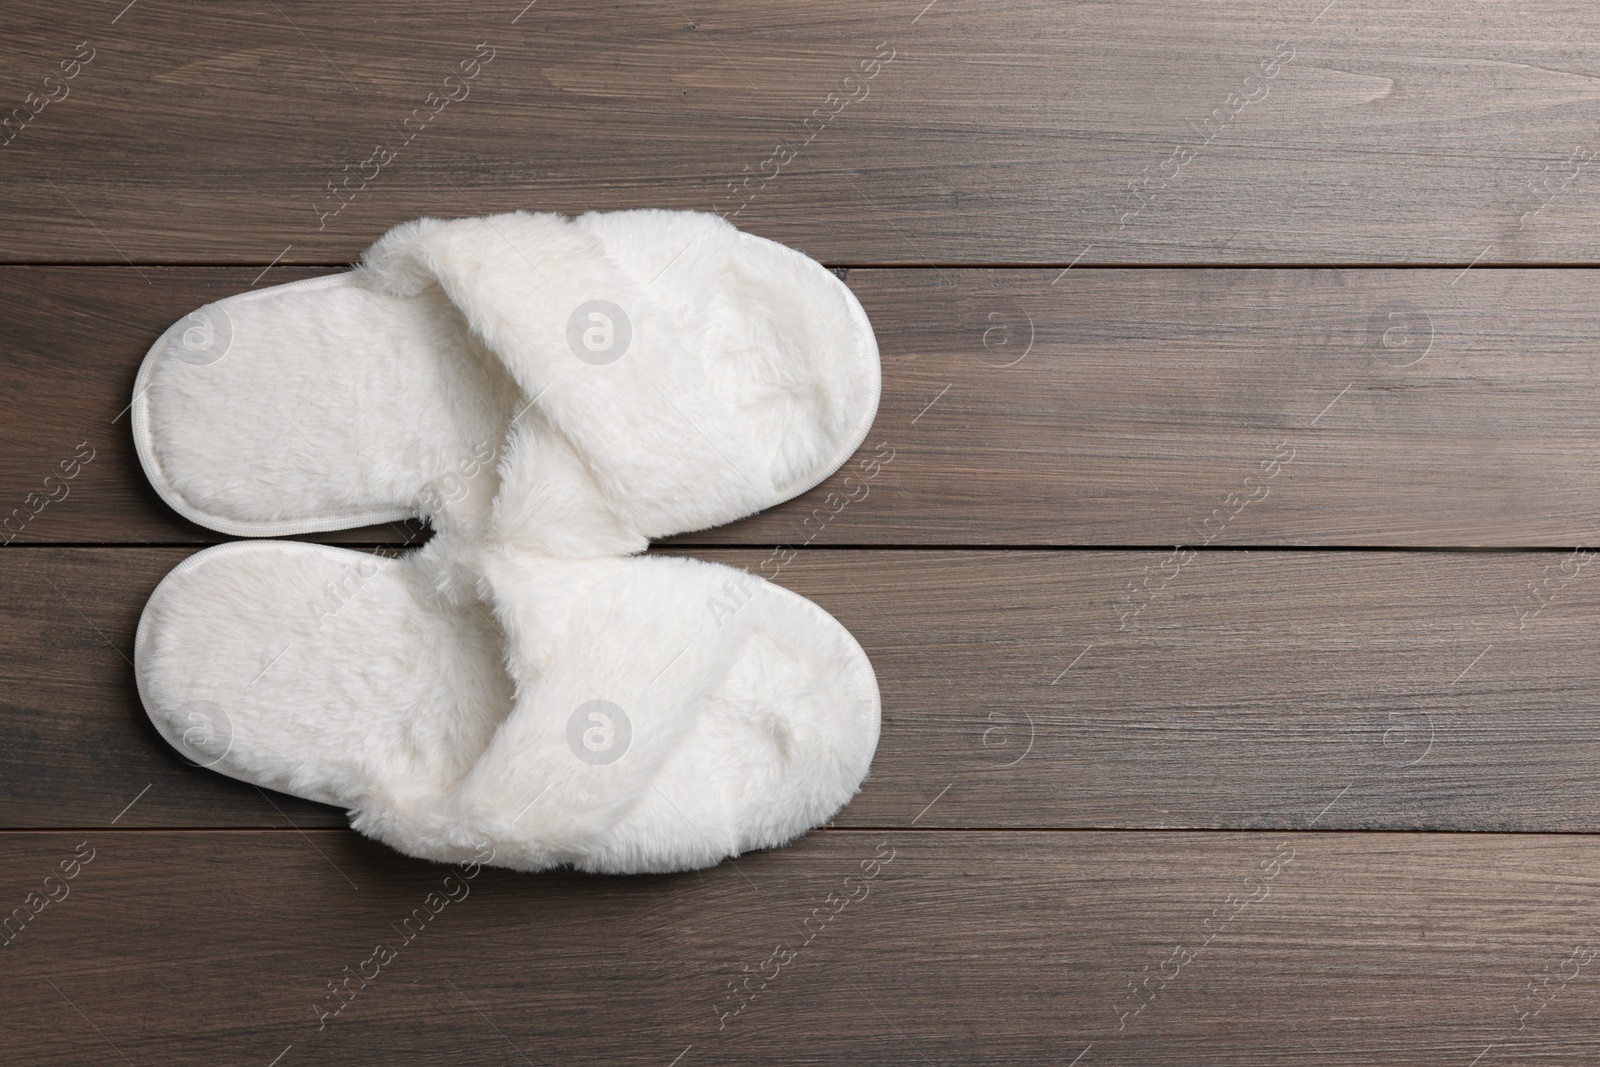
[617, 715]
[611, 378]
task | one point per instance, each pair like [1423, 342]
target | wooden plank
[73, 340]
[1240, 407]
[1095, 407]
[1245, 131]
[1021, 689]
[72, 712]
[1250, 948]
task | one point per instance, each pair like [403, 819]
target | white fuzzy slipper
[618, 715]
[611, 378]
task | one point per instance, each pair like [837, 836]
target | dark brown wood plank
[72, 711]
[1111, 407]
[1021, 948]
[1285, 690]
[1239, 407]
[72, 341]
[1025, 132]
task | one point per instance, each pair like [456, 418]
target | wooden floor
[1305, 289]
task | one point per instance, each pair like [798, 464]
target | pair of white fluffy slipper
[549, 394]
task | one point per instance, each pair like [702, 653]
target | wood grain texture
[1328, 949]
[1028, 132]
[73, 340]
[1109, 407]
[1022, 689]
[1121, 810]
[78, 748]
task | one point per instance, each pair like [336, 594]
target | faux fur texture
[441, 378]
[448, 714]
[518, 682]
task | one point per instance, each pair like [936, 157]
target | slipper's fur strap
[641, 440]
[531, 794]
